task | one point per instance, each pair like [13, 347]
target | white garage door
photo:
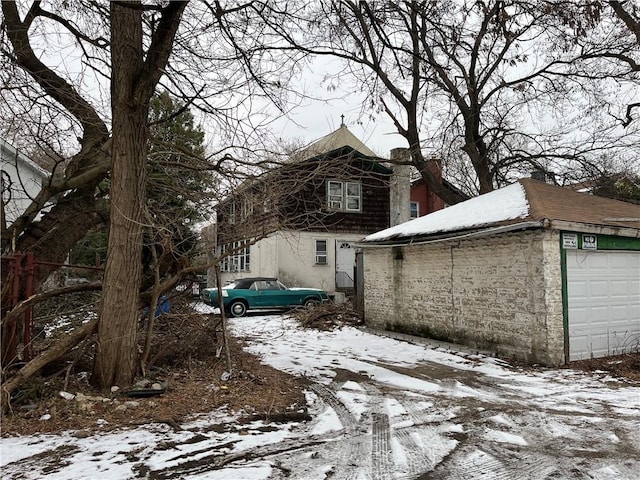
[604, 302]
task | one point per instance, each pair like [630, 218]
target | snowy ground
[382, 409]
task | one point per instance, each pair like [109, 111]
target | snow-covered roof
[527, 200]
[504, 204]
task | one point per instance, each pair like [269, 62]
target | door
[272, 293]
[345, 261]
[603, 293]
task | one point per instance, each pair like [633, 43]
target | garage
[603, 302]
[531, 271]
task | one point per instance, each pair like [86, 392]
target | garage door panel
[612, 342]
[579, 290]
[620, 314]
[603, 290]
[620, 288]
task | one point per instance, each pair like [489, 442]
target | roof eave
[454, 235]
[615, 230]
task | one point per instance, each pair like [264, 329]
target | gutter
[477, 234]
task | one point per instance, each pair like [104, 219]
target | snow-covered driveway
[382, 409]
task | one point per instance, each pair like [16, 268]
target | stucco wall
[290, 256]
[502, 293]
[296, 259]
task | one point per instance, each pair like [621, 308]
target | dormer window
[344, 196]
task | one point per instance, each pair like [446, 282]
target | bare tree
[629, 13]
[78, 81]
[494, 88]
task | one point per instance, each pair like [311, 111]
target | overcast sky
[318, 119]
[320, 114]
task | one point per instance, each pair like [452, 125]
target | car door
[272, 294]
[250, 294]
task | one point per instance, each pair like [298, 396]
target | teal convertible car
[262, 293]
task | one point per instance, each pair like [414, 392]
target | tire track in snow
[420, 434]
[527, 466]
[418, 460]
[351, 445]
[381, 454]
[471, 463]
[347, 420]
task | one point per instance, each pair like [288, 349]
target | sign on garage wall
[589, 242]
[593, 241]
[570, 240]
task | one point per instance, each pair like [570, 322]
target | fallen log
[54, 353]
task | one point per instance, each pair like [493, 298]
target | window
[414, 210]
[239, 260]
[266, 198]
[352, 190]
[334, 195]
[232, 213]
[321, 252]
[247, 209]
[344, 196]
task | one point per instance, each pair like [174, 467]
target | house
[423, 199]
[532, 271]
[22, 179]
[620, 186]
[298, 222]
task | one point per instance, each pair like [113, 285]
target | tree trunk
[116, 355]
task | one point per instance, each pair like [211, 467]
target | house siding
[290, 256]
[502, 293]
[297, 198]
[25, 181]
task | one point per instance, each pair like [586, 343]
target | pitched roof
[341, 137]
[13, 156]
[558, 203]
[527, 200]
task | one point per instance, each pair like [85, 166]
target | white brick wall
[502, 293]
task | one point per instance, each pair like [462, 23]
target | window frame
[341, 202]
[334, 198]
[240, 260]
[318, 253]
[417, 209]
[349, 196]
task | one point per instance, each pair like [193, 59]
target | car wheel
[311, 302]
[237, 309]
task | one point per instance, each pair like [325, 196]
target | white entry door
[603, 291]
[345, 261]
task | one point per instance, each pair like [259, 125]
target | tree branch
[54, 85]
